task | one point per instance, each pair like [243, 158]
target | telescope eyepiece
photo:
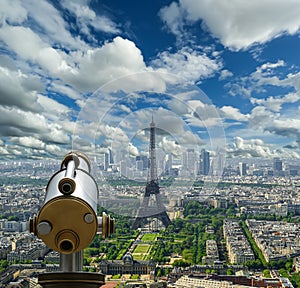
[67, 186]
[67, 241]
[66, 246]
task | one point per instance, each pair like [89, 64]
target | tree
[193, 208]
[289, 266]
[230, 211]
[283, 273]
[267, 273]
[181, 263]
[255, 264]
[296, 279]
[3, 264]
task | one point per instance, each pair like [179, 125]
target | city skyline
[216, 75]
[188, 163]
[192, 164]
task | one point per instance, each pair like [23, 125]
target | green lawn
[149, 237]
[142, 248]
[138, 256]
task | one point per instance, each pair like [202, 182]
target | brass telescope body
[67, 221]
[71, 233]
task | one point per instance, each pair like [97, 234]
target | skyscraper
[277, 167]
[123, 168]
[106, 161]
[139, 165]
[169, 164]
[204, 162]
[111, 157]
[242, 169]
[144, 160]
[191, 161]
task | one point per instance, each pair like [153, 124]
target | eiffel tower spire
[158, 210]
[152, 171]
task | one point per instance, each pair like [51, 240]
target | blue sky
[90, 75]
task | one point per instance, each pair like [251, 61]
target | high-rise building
[111, 157]
[204, 162]
[106, 161]
[123, 168]
[277, 167]
[184, 161]
[139, 165]
[144, 160]
[169, 164]
[242, 169]
[191, 160]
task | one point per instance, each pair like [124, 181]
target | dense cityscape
[206, 196]
[245, 230]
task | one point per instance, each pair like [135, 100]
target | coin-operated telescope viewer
[68, 222]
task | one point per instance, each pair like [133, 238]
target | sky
[90, 75]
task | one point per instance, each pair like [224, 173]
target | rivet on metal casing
[88, 218]
[44, 228]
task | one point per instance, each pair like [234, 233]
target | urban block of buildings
[276, 239]
[127, 266]
[212, 253]
[224, 281]
[238, 247]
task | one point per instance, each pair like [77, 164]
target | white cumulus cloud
[114, 59]
[187, 64]
[275, 103]
[249, 148]
[87, 18]
[233, 113]
[238, 24]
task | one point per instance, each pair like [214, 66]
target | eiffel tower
[157, 209]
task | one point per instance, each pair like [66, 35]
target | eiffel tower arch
[152, 191]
